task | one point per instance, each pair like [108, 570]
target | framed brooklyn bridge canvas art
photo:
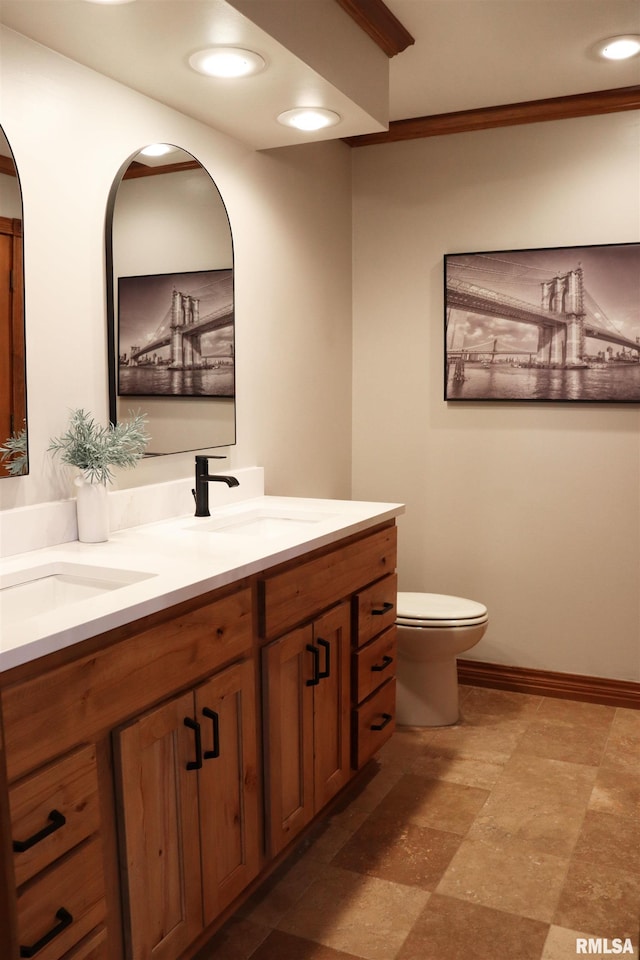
[176, 335]
[561, 323]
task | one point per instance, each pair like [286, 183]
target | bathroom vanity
[156, 769]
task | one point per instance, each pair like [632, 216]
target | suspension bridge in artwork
[565, 314]
[183, 325]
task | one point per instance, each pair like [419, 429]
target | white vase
[92, 509]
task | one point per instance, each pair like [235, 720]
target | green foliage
[94, 449]
[14, 454]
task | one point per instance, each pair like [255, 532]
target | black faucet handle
[202, 462]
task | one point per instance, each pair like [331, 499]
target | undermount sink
[41, 590]
[263, 522]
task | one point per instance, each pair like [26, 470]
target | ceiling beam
[7, 166]
[511, 114]
[384, 28]
[137, 169]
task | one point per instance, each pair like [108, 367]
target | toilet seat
[439, 610]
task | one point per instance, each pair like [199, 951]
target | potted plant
[94, 450]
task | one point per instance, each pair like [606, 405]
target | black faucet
[203, 477]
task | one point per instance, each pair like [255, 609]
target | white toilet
[432, 630]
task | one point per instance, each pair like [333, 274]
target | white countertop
[183, 562]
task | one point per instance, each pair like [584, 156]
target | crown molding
[506, 115]
[384, 28]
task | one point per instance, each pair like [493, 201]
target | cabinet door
[288, 672]
[228, 786]
[331, 704]
[159, 798]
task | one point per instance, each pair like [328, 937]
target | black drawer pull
[212, 715]
[386, 606]
[315, 680]
[65, 919]
[323, 674]
[195, 726]
[379, 667]
[386, 718]
[56, 819]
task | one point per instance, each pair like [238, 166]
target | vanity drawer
[376, 608]
[373, 723]
[374, 663]
[305, 589]
[63, 905]
[52, 811]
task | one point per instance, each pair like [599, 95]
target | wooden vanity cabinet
[306, 675]
[150, 774]
[188, 789]
[58, 716]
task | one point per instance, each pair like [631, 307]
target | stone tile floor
[512, 835]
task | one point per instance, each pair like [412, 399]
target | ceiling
[480, 53]
[466, 54]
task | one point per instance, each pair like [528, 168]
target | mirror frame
[111, 282]
[14, 228]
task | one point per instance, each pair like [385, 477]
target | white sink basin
[263, 522]
[40, 590]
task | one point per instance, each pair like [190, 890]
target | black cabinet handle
[212, 715]
[323, 674]
[386, 718]
[315, 680]
[65, 919]
[379, 667]
[195, 726]
[386, 606]
[56, 819]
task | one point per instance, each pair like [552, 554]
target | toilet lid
[438, 610]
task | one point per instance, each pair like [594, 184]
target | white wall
[533, 509]
[70, 130]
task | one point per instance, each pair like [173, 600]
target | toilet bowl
[432, 630]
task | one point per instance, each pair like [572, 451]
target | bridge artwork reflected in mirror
[176, 335]
[554, 324]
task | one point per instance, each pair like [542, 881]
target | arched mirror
[13, 394]
[170, 303]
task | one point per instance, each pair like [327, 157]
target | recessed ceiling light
[619, 48]
[227, 62]
[309, 119]
[157, 149]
